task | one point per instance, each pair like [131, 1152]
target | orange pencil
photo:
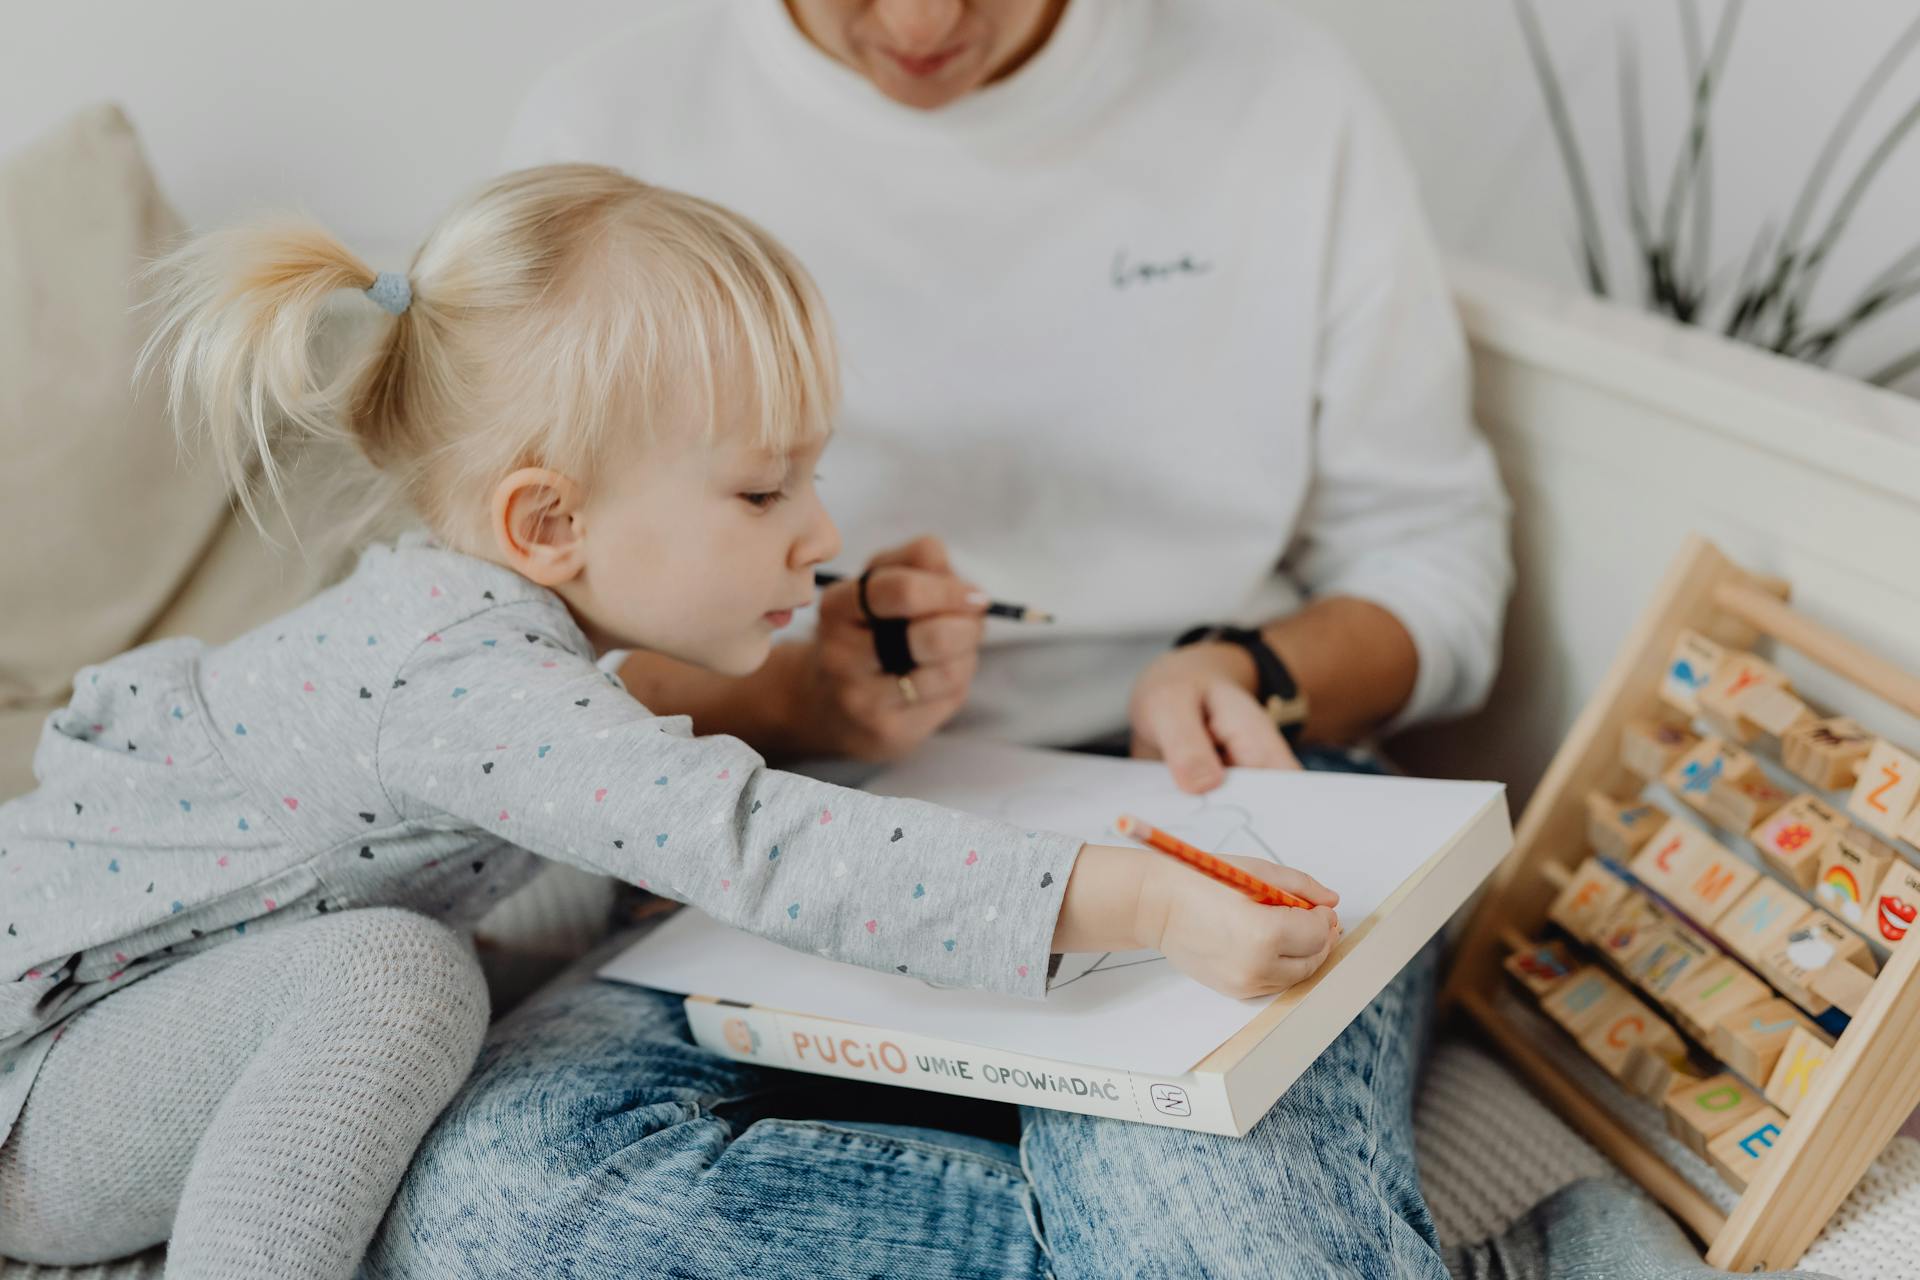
[1200, 860]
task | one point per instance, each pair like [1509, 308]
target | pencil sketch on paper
[1217, 828]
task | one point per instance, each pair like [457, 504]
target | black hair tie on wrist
[889, 636]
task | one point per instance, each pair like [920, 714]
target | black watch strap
[1275, 687]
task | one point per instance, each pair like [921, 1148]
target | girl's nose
[819, 543]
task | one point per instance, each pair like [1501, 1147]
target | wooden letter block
[1763, 917]
[1670, 858]
[1717, 882]
[1794, 839]
[1541, 966]
[1776, 711]
[1700, 1111]
[1649, 747]
[1738, 803]
[1910, 832]
[1749, 1040]
[1850, 877]
[1668, 959]
[1884, 795]
[1812, 945]
[1799, 1066]
[1739, 1152]
[1580, 1002]
[1689, 670]
[1625, 1025]
[1841, 985]
[1692, 776]
[1680, 956]
[1617, 828]
[1628, 929]
[1737, 679]
[1589, 896]
[1656, 1068]
[1825, 752]
[1896, 902]
[1711, 991]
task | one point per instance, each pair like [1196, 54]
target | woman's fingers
[1171, 726]
[918, 593]
[1244, 730]
[924, 552]
[944, 639]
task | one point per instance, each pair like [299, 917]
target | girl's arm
[500, 725]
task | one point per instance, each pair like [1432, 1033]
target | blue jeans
[595, 1139]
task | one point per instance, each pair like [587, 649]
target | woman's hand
[1194, 708]
[849, 704]
[1120, 898]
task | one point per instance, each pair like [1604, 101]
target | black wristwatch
[1274, 685]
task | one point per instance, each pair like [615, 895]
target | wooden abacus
[1590, 849]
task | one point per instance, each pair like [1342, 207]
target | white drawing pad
[1360, 835]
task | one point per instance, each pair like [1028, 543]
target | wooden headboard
[1618, 433]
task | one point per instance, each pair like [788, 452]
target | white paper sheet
[1360, 835]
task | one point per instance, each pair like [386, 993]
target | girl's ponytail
[562, 313]
[239, 340]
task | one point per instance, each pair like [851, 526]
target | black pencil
[995, 609]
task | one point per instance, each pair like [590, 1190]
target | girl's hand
[1195, 709]
[853, 708]
[1120, 899]
[1222, 938]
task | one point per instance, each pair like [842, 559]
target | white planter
[1618, 432]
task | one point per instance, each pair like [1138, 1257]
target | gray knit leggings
[257, 1103]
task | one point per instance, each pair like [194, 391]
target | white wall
[372, 115]
[1456, 77]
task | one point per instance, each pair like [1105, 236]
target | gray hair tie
[391, 291]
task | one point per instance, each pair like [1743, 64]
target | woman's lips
[779, 617]
[925, 64]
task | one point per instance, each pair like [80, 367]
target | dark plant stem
[1594, 250]
[1909, 363]
[1850, 200]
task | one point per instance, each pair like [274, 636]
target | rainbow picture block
[1850, 876]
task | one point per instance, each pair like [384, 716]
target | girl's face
[700, 547]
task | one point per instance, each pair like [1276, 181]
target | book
[1124, 1035]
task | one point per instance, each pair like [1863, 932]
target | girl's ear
[537, 527]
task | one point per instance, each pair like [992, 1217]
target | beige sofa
[113, 540]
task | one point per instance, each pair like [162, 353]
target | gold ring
[907, 691]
